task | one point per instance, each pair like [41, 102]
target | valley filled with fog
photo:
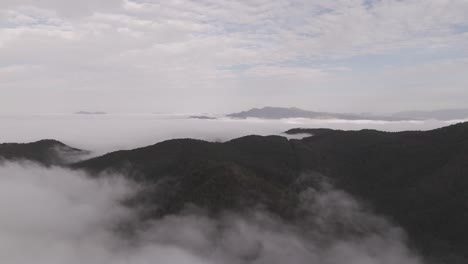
[111, 132]
[233, 132]
[230, 199]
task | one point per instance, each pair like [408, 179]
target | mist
[98, 86]
[55, 215]
[105, 133]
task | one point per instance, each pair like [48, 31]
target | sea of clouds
[55, 215]
[105, 133]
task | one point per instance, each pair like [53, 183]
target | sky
[220, 56]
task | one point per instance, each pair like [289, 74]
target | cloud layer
[105, 133]
[193, 55]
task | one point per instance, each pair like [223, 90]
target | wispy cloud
[57, 216]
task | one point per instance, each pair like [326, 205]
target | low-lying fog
[54, 215]
[104, 133]
[57, 216]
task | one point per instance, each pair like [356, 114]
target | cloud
[66, 8]
[112, 132]
[53, 215]
[92, 50]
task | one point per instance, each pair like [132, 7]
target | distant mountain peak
[270, 112]
[90, 113]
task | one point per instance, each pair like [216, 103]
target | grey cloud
[58, 216]
[154, 52]
[67, 8]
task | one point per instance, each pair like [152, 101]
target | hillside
[416, 179]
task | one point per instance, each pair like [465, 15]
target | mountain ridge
[47, 152]
[417, 179]
[269, 112]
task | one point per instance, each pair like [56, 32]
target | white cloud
[65, 8]
[53, 215]
[195, 48]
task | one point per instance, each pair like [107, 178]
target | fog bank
[105, 133]
[56, 216]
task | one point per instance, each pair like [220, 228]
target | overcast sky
[225, 55]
